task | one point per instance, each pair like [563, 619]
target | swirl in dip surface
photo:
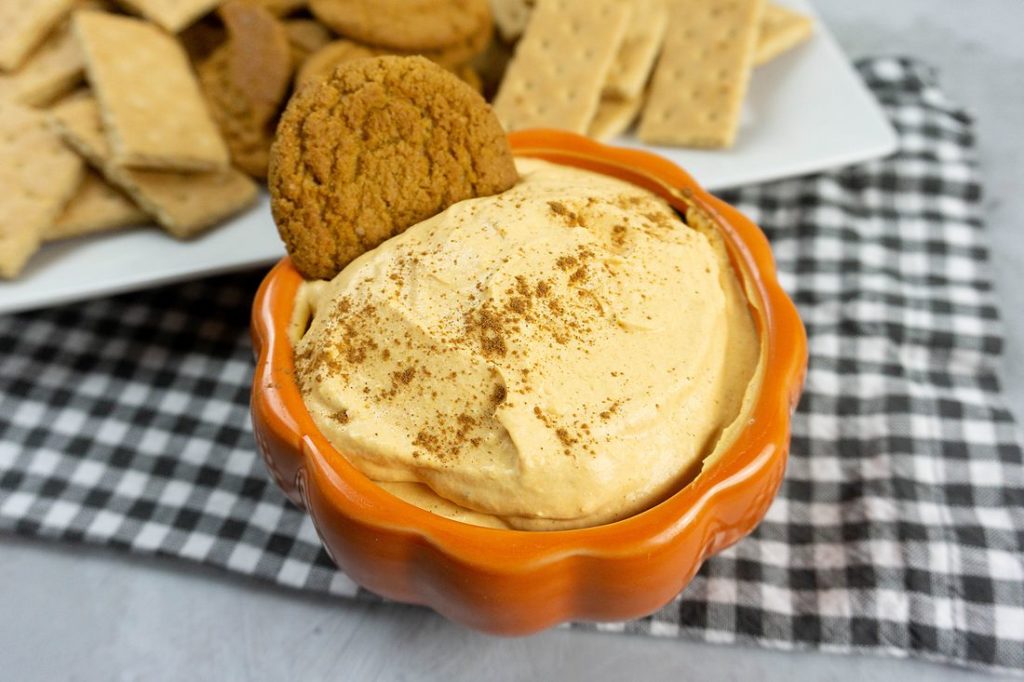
[561, 355]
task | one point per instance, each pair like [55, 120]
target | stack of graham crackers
[116, 113]
[680, 66]
[137, 145]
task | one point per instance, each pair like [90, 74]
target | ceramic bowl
[518, 582]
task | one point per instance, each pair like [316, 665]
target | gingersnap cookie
[381, 145]
[245, 81]
[410, 25]
[260, 61]
[305, 37]
[456, 54]
[246, 133]
[321, 64]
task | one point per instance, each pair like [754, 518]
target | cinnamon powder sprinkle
[569, 217]
[566, 262]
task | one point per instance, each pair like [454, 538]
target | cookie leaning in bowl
[381, 145]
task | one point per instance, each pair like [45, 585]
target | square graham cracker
[782, 29]
[183, 203]
[701, 78]
[24, 24]
[53, 69]
[640, 47]
[38, 174]
[560, 66]
[172, 15]
[153, 111]
[96, 206]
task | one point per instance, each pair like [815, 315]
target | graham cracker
[153, 111]
[614, 116]
[53, 69]
[38, 174]
[782, 29]
[559, 68]
[640, 47]
[511, 17]
[172, 15]
[95, 207]
[24, 24]
[701, 78]
[183, 203]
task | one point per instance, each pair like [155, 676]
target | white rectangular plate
[806, 111]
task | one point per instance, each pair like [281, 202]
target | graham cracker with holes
[153, 111]
[614, 116]
[24, 24]
[701, 78]
[560, 65]
[53, 69]
[95, 207]
[640, 47]
[173, 15]
[38, 174]
[782, 29]
[183, 203]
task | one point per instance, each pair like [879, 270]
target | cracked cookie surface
[381, 145]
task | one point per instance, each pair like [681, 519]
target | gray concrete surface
[74, 613]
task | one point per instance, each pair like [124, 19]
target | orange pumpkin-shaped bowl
[518, 582]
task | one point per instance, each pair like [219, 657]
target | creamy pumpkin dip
[564, 354]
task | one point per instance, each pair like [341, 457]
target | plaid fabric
[899, 528]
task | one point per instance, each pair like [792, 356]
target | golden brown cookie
[321, 64]
[306, 36]
[410, 25]
[455, 54]
[383, 144]
[245, 80]
[452, 57]
[260, 61]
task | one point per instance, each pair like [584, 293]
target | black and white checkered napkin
[900, 524]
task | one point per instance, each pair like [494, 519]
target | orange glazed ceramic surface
[518, 582]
